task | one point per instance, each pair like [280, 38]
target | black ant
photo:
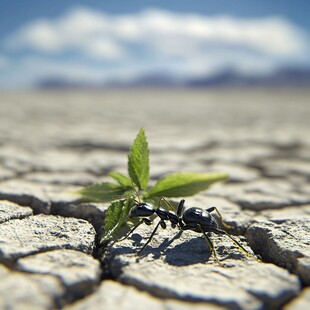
[145, 210]
[195, 219]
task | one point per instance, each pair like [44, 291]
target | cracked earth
[53, 143]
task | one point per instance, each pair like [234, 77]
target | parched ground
[53, 143]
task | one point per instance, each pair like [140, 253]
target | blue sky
[96, 41]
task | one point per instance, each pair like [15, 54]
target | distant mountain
[151, 80]
[61, 83]
[282, 78]
[291, 76]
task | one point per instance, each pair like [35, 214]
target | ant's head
[142, 209]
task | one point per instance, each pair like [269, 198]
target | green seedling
[122, 192]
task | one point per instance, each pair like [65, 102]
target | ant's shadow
[191, 252]
[187, 253]
[136, 242]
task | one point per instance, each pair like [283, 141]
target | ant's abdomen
[198, 216]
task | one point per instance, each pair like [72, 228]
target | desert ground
[53, 143]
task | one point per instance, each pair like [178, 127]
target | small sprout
[103, 192]
[184, 184]
[116, 219]
[122, 194]
[138, 161]
[121, 179]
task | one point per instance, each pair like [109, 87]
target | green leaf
[138, 161]
[116, 218]
[121, 179]
[102, 192]
[184, 184]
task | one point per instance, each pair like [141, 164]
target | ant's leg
[168, 204]
[222, 232]
[144, 220]
[130, 232]
[151, 236]
[210, 244]
[180, 207]
[220, 216]
[239, 245]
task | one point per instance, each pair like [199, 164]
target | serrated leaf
[121, 179]
[184, 184]
[102, 192]
[138, 161]
[116, 219]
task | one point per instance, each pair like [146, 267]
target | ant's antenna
[136, 191]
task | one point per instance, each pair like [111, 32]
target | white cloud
[271, 35]
[81, 26]
[80, 31]
[41, 36]
[152, 41]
